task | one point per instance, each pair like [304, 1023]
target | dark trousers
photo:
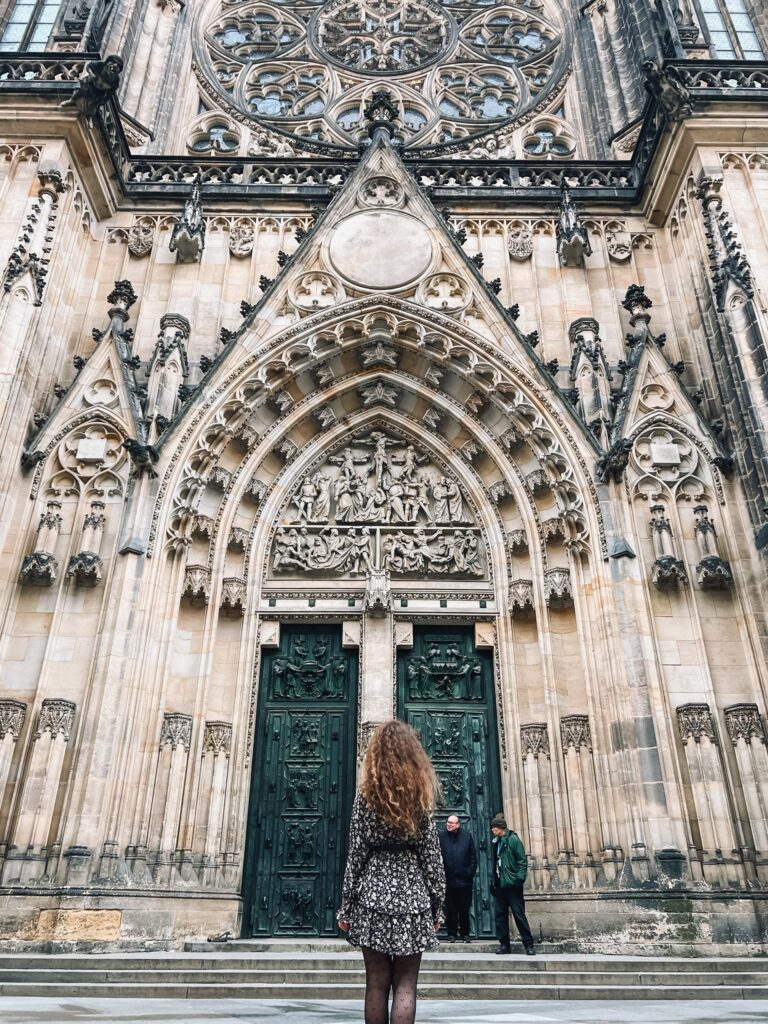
[457, 904]
[506, 898]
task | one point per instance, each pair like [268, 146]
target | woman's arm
[357, 854]
[432, 869]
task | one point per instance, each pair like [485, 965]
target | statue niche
[379, 503]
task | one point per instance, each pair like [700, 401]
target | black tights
[397, 974]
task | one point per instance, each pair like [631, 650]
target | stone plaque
[91, 449]
[381, 249]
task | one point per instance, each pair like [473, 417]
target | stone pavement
[249, 1011]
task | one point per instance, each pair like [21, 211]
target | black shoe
[502, 950]
[530, 951]
[451, 938]
[466, 938]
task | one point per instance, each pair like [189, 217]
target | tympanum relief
[378, 503]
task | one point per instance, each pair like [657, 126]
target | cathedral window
[29, 26]
[731, 30]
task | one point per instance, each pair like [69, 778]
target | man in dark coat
[510, 866]
[460, 860]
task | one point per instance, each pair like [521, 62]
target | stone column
[537, 773]
[169, 790]
[710, 798]
[377, 664]
[217, 744]
[580, 781]
[27, 858]
[745, 727]
[12, 715]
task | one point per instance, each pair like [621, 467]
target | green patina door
[445, 690]
[302, 785]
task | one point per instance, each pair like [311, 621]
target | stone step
[348, 959]
[141, 990]
[428, 976]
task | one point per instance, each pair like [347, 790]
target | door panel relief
[303, 784]
[445, 691]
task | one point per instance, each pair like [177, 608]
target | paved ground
[241, 1011]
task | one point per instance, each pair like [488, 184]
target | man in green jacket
[510, 866]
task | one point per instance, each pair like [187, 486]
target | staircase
[292, 969]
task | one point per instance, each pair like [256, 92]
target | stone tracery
[457, 70]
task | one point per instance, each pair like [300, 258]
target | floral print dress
[393, 887]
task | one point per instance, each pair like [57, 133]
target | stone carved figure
[444, 672]
[99, 83]
[378, 505]
[668, 89]
[309, 676]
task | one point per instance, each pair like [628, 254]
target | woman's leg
[378, 982]
[405, 974]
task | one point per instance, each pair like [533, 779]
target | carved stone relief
[378, 504]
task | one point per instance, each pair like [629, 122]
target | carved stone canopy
[378, 504]
[534, 739]
[575, 732]
[744, 723]
[56, 717]
[695, 722]
[12, 715]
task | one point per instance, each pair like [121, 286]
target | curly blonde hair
[399, 782]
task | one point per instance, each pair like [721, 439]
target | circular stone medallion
[381, 249]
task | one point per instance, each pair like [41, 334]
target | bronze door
[446, 692]
[302, 785]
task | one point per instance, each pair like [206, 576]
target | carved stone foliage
[310, 671]
[86, 568]
[575, 733]
[378, 504]
[668, 572]
[534, 739]
[743, 722]
[443, 672]
[56, 717]
[695, 722]
[176, 730]
[217, 738]
[451, 71]
[12, 715]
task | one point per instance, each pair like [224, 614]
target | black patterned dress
[393, 887]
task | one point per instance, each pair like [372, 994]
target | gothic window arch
[30, 25]
[731, 30]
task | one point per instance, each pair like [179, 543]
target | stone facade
[303, 325]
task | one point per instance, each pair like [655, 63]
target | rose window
[457, 70]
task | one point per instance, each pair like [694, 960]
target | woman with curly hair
[394, 883]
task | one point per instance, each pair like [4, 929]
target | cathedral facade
[363, 358]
